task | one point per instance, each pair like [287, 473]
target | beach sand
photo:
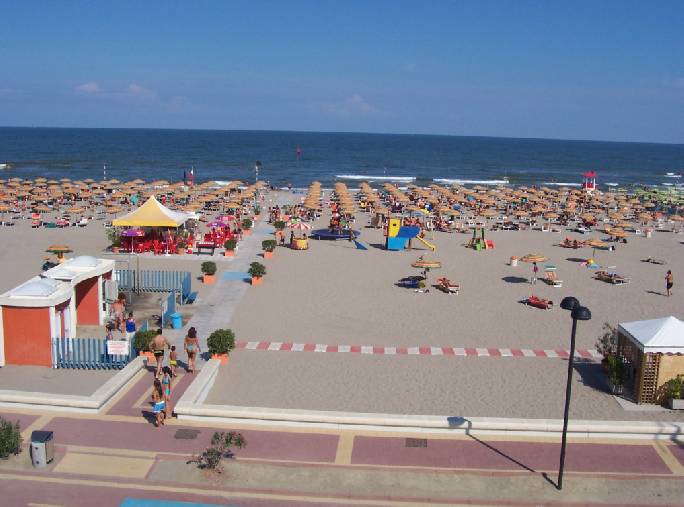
[337, 294]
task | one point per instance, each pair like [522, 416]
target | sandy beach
[334, 293]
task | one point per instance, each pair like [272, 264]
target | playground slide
[429, 245]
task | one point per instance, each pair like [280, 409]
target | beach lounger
[448, 286]
[551, 279]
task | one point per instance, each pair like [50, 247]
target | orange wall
[27, 335]
[87, 305]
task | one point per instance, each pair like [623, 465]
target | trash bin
[42, 448]
[176, 320]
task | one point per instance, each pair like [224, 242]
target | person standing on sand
[668, 283]
[158, 344]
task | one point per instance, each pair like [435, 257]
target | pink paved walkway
[24, 419]
[125, 406]
[514, 456]
[145, 437]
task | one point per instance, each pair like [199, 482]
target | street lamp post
[578, 312]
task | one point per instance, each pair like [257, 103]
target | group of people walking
[164, 375]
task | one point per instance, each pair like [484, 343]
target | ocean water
[329, 157]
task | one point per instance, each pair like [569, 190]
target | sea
[297, 158]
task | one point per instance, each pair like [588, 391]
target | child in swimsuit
[159, 407]
[166, 386]
[173, 360]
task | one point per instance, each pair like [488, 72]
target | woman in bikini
[191, 346]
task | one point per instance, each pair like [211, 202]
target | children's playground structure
[478, 241]
[398, 236]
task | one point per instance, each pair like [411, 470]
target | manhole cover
[186, 434]
[416, 442]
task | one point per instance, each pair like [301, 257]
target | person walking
[158, 345]
[159, 407]
[118, 310]
[668, 283]
[535, 270]
[166, 386]
[192, 348]
[130, 327]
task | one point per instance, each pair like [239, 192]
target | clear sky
[559, 69]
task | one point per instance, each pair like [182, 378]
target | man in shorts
[158, 344]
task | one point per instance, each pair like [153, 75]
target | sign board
[117, 347]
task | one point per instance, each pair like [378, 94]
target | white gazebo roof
[79, 268]
[37, 292]
[664, 335]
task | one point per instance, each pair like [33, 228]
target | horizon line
[294, 131]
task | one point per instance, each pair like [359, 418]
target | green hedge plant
[221, 341]
[10, 438]
[208, 268]
[256, 269]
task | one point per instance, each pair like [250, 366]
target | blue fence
[87, 354]
[154, 280]
[168, 308]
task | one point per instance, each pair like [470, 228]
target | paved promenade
[215, 310]
[119, 454]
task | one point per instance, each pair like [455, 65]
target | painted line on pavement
[345, 446]
[38, 424]
[668, 458]
[416, 351]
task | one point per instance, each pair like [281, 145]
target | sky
[603, 70]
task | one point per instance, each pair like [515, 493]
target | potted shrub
[617, 374]
[674, 392]
[220, 343]
[209, 270]
[141, 343]
[246, 226]
[268, 245]
[257, 212]
[606, 345]
[256, 271]
[181, 246]
[114, 239]
[230, 245]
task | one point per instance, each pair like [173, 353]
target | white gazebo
[655, 350]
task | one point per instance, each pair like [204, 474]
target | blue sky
[555, 69]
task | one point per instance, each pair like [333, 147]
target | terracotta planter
[256, 280]
[221, 357]
[149, 356]
[180, 250]
[229, 253]
[116, 249]
[268, 255]
[208, 279]
[246, 232]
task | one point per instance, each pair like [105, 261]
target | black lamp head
[569, 303]
[581, 313]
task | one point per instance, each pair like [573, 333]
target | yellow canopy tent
[152, 214]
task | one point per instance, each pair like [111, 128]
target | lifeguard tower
[589, 183]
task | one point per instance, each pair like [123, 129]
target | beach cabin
[655, 351]
[30, 316]
[86, 275]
